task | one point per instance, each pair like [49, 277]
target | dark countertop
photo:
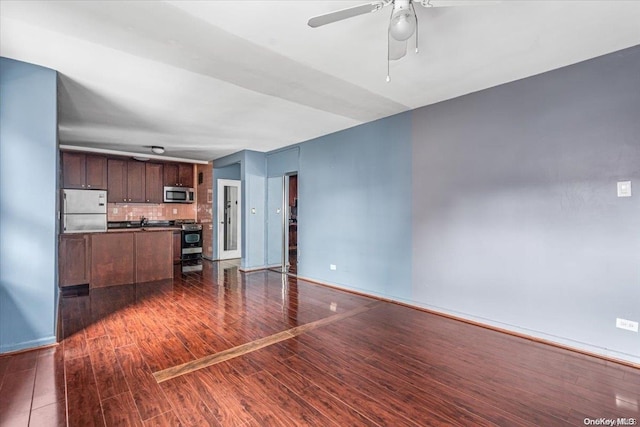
[139, 229]
[151, 225]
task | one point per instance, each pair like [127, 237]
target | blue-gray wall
[252, 175]
[516, 221]
[279, 163]
[354, 208]
[28, 171]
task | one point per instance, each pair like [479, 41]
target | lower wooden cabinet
[131, 257]
[177, 247]
[74, 254]
[108, 259]
[154, 256]
[112, 260]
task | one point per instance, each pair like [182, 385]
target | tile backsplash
[158, 211]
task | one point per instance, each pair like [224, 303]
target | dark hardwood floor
[318, 357]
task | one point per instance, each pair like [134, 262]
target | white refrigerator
[84, 211]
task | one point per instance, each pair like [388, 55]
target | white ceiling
[208, 78]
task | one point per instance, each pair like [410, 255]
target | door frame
[237, 253]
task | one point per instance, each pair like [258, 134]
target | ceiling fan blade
[397, 49]
[349, 12]
[454, 3]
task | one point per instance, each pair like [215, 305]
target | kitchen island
[117, 256]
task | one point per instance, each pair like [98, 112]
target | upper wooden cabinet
[84, 171]
[154, 192]
[117, 172]
[126, 181]
[136, 181]
[178, 175]
[131, 181]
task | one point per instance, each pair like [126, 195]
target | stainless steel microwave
[179, 195]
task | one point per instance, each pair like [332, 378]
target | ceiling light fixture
[157, 150]
[403, 23]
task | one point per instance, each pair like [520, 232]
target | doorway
[292, 222]
[282, 223]
[229, 219]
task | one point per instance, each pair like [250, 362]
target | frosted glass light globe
[403, 25]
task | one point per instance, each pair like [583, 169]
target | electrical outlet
[175, 211]
[624, 188]
[115, 210]
[628, 325]
[332, 267]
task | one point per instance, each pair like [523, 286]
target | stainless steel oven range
[191, 247]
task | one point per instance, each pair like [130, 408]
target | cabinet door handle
[82, 185]
[88, 186]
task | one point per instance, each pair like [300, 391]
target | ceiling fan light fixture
[157, 150]
[403, 24]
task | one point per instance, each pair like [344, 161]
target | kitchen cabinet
[112, 261]
[136, 174]
[126, 181]
[177, 247]
[84, 171]
[74, 253]
[153, 255]
[153, 183]
[178, 175]
[117, 179]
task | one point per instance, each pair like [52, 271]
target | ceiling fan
[402, 25]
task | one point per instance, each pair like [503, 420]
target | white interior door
[229, 219]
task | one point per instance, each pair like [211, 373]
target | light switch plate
[629, 325]
[624, 188]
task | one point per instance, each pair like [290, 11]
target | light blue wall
[252, 175]
[279, 164]
[516, 222]
[355, 208]
[282, 162]
[255, 189]
[28, 188]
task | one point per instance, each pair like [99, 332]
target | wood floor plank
[83, 399]
[147, 394]
[345, 392]
[334, 409]
[109, 377]
[120, 410]
[189, 408]
[215, 387]
[300, 411]
[168, 419]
